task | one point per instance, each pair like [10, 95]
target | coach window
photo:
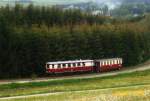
[102, 63]
[64, 65]
[79, 64]
[47, 66]
[59, 66]
[52, 66]
[74, 64]
[69, 65]
[118, 61]
[83, 64]
[109, 62]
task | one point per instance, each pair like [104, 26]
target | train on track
[101, 65]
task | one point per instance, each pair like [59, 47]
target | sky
[62, 1]
[54, 1]
[111, 3]
[48, 1]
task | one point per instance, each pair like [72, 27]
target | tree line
[50, 16]
[27, 41]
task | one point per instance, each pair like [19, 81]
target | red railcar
[108, 64]
[69, 66]
[84, 65]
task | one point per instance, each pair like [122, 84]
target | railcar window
[104, 63]
[118, 61]
[110, 62]
[59, 65]
[52, 66]
[83, 64]
[79, 64]
[47, 66]
[64, 65]
[69, 65]
[74, 64]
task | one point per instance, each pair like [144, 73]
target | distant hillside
[136, 1]
[101, 7]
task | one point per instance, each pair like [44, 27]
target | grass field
[138, 93]
[121, 80]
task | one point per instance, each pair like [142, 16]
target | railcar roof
[63, 62]
[109, 59]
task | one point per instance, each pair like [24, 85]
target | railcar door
[97, 67]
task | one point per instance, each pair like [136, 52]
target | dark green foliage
[32, 36]
[50, 16]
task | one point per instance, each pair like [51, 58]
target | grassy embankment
[121, 80]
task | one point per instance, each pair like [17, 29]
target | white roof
[75, 61]
[109, 59]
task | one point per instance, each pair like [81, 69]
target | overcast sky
[50, 1]
[53, 0]
[111, 3]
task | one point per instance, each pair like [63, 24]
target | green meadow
[138, 93]
[71, 85]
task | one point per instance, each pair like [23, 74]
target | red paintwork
[110, 67]
[98, 68]
[72, 69]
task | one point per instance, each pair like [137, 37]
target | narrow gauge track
[141, 67]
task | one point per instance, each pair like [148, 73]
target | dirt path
[142, 67]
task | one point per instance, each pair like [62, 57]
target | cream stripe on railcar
[88, 64]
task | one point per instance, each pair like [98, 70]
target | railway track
[141, 67]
